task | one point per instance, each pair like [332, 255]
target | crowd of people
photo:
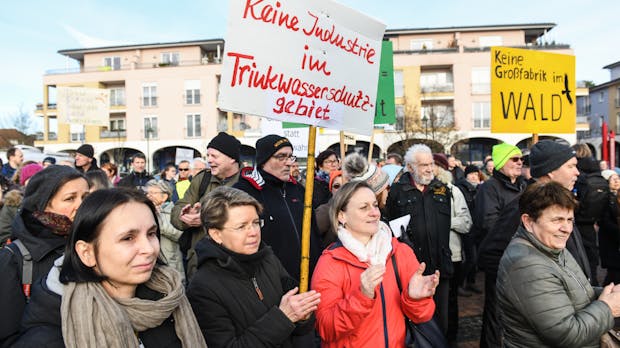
[209, 253]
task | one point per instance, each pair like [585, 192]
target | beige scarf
[91, 318]
[375, 252]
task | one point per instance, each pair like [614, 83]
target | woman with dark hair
[111, 170]
[111, 289]
[241, 293]
[40, 231]
[361, 301]
[97, 180]
[326, 162]
[544, 298]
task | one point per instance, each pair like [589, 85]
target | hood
[588, 165]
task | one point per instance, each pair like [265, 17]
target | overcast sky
[33, 31]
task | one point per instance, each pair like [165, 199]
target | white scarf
[375, 252]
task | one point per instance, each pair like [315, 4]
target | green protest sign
[385, 110]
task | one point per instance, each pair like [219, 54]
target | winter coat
[283, 204]
[347, 318]
[460, 222]
[44, 247]
[168, 244]
[469, 192]
[545, 299]
[227, 301]
[135, 180]
[493, 195]
[12, 201]
[42, 325]
[609, 235]
[429, 227]
[321, 193]
[324, 225]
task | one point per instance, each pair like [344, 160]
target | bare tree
[20, 120]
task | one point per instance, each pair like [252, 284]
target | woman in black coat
[609, 231]
[241, 294]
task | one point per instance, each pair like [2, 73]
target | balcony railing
[151, 65]
[107, 134]
[49, 106]
[444, 87]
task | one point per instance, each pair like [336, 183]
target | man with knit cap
[428, 201]
[85, 160]
[282, 197]
[223, 152]
[493, 195]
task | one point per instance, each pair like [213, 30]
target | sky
[32, 32]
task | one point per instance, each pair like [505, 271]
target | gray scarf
[91, 318]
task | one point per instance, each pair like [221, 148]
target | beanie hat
[502, 153]
[356, 168]
[332, 176]
[28, 171]
[86, 150]
[44, 184]
[226, 144]
[268, 145]
[607, 173]
[441, 160]
[50, 160]
[547, 156]
[471, 169]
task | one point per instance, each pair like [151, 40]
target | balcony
[437, 88]
[111, 134]
[151, 65]
[49, 106]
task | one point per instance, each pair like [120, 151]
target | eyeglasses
[516, 159]
[254, 225]
[284, 157]
[183, 169]
[152, 193]
[334, 161]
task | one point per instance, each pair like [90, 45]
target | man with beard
[427, 200]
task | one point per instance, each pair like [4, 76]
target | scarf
[249, 263]
[323, 176]
[57, 223]
[375, 252]
[91, 318]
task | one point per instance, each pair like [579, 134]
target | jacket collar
[501, 177]
[556, 254]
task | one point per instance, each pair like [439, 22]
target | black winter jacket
[44, 247]
[283, 204]
[429, 227]
[42, 326]
[226, 299]
[135, 180]
[609, 235]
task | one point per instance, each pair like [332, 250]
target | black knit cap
[471, 169]
[44, 184]
[547, 156]
[226, 144]
[86, 150]
[268, 145]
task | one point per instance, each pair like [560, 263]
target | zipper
[290, 215]
[575, 278]
[385, 328]
[258, 291]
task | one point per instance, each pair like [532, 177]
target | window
[117, 124]
[150, 127]
[421, 44]
[399, 86]
[77, 132]
[488, 41]
[601, 97]
[481, 80]
[617, 100]
[149, 95]
[400, 118]
[436, 81]
[481, 115]
[114, 63]
[193, 125]
[170, 58]
[192, 92]
[117, 96]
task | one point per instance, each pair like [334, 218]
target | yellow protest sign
[532, 91]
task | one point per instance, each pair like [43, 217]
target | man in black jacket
[427, 200]
[270, 182]
[139, 177]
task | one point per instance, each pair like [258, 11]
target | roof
[10, 137]
[605, 85]
[612, 65]
[532, 30]
[78, 53]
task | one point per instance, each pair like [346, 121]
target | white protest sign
[311, 62]
[85, 106]
[183, 155]
[297, 136]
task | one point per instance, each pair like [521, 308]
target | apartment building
[604, 106]
[163, 96]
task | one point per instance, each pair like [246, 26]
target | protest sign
[385, 112]
[85, 106]
[297, 134]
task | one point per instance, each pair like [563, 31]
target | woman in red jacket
[361, 305]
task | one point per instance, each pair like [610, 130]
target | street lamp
[425, 120]
[149, 131]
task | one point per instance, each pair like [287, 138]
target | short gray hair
[161, 185]
[215, 206]
[414, 150]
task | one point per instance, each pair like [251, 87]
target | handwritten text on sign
[313, 62]
[532, 91]
[86, 106]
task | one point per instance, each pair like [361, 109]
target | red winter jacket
[347, 318]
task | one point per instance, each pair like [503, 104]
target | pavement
[470, 317]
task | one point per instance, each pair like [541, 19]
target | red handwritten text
[268, 14]
[314, 64]
[300, 108]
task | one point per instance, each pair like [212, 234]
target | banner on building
[532, 91]
[311, 62]
[385, 110]
[85, 106]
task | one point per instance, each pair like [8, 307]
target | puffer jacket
[545, 299]
[347, 318]
[169, 243]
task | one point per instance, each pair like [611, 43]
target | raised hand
[612, 298]
[370, 278]
[421, 286]
[298, 307]
[190, 215]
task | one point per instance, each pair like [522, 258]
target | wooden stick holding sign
[534, 138]
[307, 219]
[343, 146]
[372, 144]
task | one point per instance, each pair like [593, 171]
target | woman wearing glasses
[241, 294]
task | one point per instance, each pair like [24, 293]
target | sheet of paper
[397, 224]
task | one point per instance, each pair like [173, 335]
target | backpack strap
[206, 179]
[26, 267]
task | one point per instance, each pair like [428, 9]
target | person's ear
[216, 235]
[341, 218]
[527, 222]
[86, 253]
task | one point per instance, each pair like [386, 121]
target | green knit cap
[502, 153]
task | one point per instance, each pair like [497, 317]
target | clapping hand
[370, 278]
[421, 286]
[190, 215]
[298, 307]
